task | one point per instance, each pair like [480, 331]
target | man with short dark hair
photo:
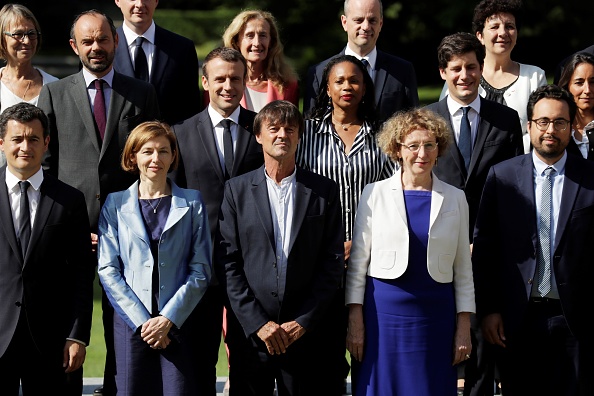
[46, 264]
[532, 260]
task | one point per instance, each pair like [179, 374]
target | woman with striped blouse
[339, 142]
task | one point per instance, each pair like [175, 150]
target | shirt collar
[371, 57]
[89, 77]
[454, 107]
[130, 36]
[12, 181]
[540, 166]
[216, 117]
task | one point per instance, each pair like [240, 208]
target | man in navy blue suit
[171, 60]
[532, 258]
[394, 78]
[279, 254]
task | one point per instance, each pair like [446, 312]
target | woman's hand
[462, 341]
[155, 332]
[355, 339]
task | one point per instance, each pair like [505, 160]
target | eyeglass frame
[424, 145]
[549, 122]
[28, 34]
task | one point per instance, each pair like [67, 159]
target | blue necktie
[545, 217]
[465, 140]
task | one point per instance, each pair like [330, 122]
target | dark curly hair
[487, 8]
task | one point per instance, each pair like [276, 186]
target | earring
[435, 164]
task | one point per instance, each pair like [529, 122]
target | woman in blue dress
[409, 285]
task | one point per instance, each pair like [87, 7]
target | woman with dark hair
[578, 79]
[270, 77]
[340, 143]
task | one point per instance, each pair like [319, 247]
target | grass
[95, 359]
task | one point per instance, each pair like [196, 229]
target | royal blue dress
[409, 322]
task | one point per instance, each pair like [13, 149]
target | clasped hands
[155, 332]
[278, 337]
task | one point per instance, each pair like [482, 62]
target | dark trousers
[544, 358]
[24, 362]
[479, 370]
[142, 370]
[207, 322]
[109, 372]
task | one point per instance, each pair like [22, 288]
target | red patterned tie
[99, 108]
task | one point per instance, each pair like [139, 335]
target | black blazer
[199, 167]
[245, 258]
[395, 85]
[53, 285]
[506, 241]
[499, 137]
[174, 73]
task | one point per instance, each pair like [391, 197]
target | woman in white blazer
[154, 264]
[409, 285]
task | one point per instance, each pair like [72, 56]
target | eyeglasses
[20, 36]
[415, 147]
[560, 124]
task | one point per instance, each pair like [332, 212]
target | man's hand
[492, 326]
[294, 330]
[74, 355]
[94, 242]
[275, 338]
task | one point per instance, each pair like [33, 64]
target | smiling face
[420, 163]
[500, 34]
[363, 23]
[550, 144]
[95, 44]
[17, 50]
[138, 14]
[254, 40]
[463, 76]
[225, 85]
[581, 86]
[346, 86]
[24, 145]
[279, 142]
[154, 159]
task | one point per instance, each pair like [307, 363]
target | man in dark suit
[394, 78]
[532, 258]
[46, 265]
[88, 134]
[279, 252]
[170, 60]
[493, 134]
[206, 162]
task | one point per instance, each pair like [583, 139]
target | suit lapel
[243, 138]
[205, 131]
[122, 61]
[436, 200]
[525, 179]
[571, 187]
[81, 101]
[380, 77]
[160, 57]
[131, 214]
[483, 130]
[6, 217]
[302, 199]
[260, 194]
[179, 207]
[116, 106]
[453, 152]
[398, 196]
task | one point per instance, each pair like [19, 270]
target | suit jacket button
[530, 281]
[274, 294]
[98, 196]
[18, 303]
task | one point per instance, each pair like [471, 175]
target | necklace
[154, 207]
[345, 127]
[12, 87]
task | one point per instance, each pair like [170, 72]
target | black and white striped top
[321, 151]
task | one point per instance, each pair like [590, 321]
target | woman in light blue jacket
[154, 264]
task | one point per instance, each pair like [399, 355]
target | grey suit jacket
[499, 137]
[53, 283]
[76, 154]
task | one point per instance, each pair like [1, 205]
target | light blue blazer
[126, 262]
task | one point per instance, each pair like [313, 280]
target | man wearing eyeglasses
[485, 133]
[532, 258]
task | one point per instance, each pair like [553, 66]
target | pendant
[155, 210]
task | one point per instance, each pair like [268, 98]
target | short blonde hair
[139, 136]
[276, 68]
[396, 129]
[10, 14]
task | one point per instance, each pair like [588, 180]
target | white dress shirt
[216, 118]
[14, 195]
[456, 112]
[148, 45]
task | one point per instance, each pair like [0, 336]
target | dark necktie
[545, 217]
[465, 140]
[227, 147]
[99, 108]
[140, 62]
[24, 217]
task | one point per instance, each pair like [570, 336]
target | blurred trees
[311, 30]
